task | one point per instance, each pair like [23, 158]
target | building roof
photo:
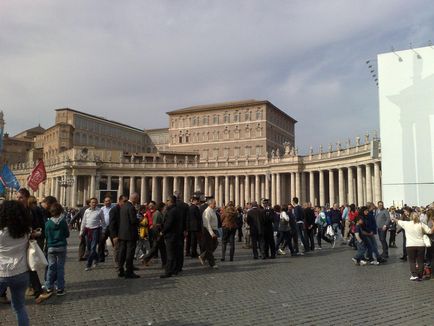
[100, 118]
[226, 105]
[35, 130]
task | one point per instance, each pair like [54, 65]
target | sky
[132, 61]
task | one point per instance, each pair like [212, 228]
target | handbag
[35, 257]
[426, 240]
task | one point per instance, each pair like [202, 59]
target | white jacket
[13, 254]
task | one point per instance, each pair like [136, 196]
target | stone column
[298, 186]
[369, 197]
[293, 185]
[206, 190]
[332, 198]
[175, 185]
[303, 187]
[231, 189]
[312, 188]
[273, 189]
[360, 201]
[165, 187]
[121, 186]
[321, 188]
[350, 186]
[52, 187]
[196, 184]
[226, 190]
[132, 185]
[74, 191]
[242, 200]
[221, 192]
[186, 193]
[279, 189]
[341, 186]
[247, 189]
[216, 190]
[267, 187]
[377, 181]
[109, 183]
[237, 190]
[92, 185]
[142, 190]
[154, 196]
[257, 190]
[56, 188]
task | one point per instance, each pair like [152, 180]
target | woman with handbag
[15, 225]
[414, 232]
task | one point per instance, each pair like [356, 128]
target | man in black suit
[270, 245]
[115, 216]
[255, 220]
[127, 236]
[171, 230]
[182, 212]
[194, 226]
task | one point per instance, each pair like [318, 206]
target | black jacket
[268, 220]
[172, 223]
[309, 217]
[128, 223]
[255, 219]
[183, 212]
[194, 219]
[114, 221]
[299, 213]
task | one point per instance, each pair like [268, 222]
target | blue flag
[1, 139]
[2, 189]
[8, 179]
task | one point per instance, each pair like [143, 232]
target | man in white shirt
[210, 226]
[91, 226]
[105, 234]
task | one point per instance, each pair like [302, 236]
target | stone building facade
[103, 157]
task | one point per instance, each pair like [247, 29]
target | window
[180, 139]
[247, 116]
[258, 115]
[205, 120]
[236, 117]
[226, 133]
[258, 150]
[215, 119]
[194, 121]
[226, 118]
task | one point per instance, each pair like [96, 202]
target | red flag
[37, 176]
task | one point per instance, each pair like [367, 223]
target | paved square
[321, 288]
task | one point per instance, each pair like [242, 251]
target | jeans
[18, 285]
[361, 250]
[335, 227]
[285, 237]
[91, 244]
[228, 236]
[371, 244]
[300, 232]
[382, 237]
[56, 267]
[415, 257]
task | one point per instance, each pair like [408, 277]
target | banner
[37, 176]
[1, 139]
[8, 179]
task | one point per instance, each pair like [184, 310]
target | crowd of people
[174, 229]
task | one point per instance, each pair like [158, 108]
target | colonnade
[356, 184]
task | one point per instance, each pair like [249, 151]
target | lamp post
[65, 182]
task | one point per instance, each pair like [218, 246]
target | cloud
[135, 60]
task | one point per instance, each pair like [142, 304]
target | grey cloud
[135, 60]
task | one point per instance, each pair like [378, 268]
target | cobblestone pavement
[321, 288]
